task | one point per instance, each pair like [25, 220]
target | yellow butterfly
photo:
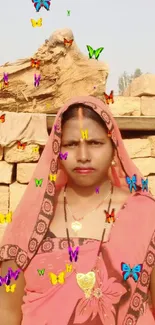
[6, 218]
[35, 149]
[52, 177]
[84, 134]
[60, 278]
[69, 267]
[10, 288]
[1, 85]
[36, 23]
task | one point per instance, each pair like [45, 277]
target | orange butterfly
[2, 118]
[110, 217]
[110, 98]
[35, 63]
[109, 134]
[68, 43]
[21, 145]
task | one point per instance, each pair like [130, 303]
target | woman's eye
[95, 143]
[70, 145]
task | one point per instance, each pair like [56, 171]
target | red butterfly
[2, 118]
[35, 63]
[68, 43]
[21, 145]
[110, 98]
[110, 217]
[109, 134]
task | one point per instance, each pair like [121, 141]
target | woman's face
[97, 152]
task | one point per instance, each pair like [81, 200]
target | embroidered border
[141, 292]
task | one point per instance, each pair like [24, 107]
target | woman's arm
[10, 303]
[152, 290]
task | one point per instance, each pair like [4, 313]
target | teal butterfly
[41, 272]
[94, 52]
[38, 182]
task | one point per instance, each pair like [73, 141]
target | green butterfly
[94, 52]
[38, 182]
[41, 272]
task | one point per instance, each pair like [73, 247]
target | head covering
[35, 211]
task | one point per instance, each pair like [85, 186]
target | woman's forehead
[74, 126]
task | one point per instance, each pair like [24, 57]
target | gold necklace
[86, 281]
[77, 225]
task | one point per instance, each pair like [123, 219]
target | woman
[84, 243]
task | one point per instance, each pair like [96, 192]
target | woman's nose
[83, 153]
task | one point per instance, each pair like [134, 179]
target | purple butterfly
[6, 280]
[13, 274]
[37, 80]
[97, 189]
[63, 156]
[73, 255]
[5, 78]
[55, 128]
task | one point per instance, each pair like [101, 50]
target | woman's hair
[87, 112]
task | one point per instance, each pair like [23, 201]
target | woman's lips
[84, 170]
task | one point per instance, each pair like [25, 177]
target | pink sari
[132, 240]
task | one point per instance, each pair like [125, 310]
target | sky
[125, 28]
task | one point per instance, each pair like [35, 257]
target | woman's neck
[74, 192]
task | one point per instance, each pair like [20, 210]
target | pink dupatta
[32, 217]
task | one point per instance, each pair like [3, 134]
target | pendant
[76, 226]
[86, 282]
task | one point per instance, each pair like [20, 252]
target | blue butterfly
[134, 273]
[131, 182]
[41, 3]
[145, 184]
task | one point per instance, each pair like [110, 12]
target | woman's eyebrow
[87, 140]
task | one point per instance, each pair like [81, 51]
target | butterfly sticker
[97, 189]
[10, 288]
[36, 23]
[38, 182]
[7, 218]
[5, 79]
[109, 134]
[93, 52]
[68, 12]
[35, 63]
[68, 43]
[55, 279]
[109, 98]
[21, 145]
[131, 182]
[73, 255]
[110, 217]
[2, 118]
[41, 3]
[6, 280]
[12, 274]
[69, 268]
[84, 134]
[52, 177]
[37, 80]
[35, 149]
[41, 272]
[63, 156]
[1, 85]
[128, 272]
[48, 105]
[144, 184]
[55, 128]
